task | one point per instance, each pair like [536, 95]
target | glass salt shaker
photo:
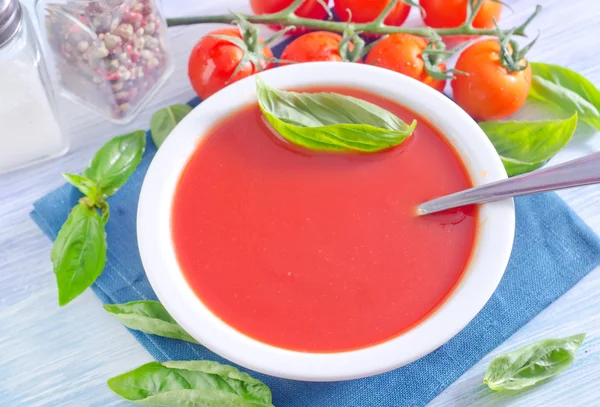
[29, 128]
[110, 55]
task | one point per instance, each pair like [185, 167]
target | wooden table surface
[51, 356]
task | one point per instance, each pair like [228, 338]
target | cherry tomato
[308, 9]
[213, 61]
[402, 53]
[314, 46]
[365, 11]
[452, 13]
[489, 91]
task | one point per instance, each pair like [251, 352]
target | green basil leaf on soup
[526, 146]
[114, 163]
[191, 383]
[330, 121]
[85, 185]
[149, 317]
[79, 252]
[567, 90]
[531, 364]
[165, 120]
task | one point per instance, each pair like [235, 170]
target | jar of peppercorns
[110, 55]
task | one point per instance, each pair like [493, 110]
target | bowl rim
[496, 224]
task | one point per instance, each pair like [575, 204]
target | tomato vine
[288, 17]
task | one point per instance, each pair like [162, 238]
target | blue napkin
[553, 250]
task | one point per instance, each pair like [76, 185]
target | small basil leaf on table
[85, 185]
[149, 317]
[114, 163]
[526, 146]
[532, 363]
[165, 120]
[330, 121]
[567, 90]
[79, 252]
[191, 383]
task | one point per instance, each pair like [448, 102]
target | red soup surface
[320, 252]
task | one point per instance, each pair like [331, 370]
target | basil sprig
[566, 89]
[191, 383]
[330, 121]
[532, 363]
[85, 185]
[165, 120]
[79, 252]
[526, 146]
[114, 163]
[150, 317]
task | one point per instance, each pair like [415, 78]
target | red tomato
[213, 61]
[308, 9]
[489, 91]
[452, 13]
[314, 46]
[402, 53]
[365, 11]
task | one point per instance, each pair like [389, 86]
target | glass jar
[29, 128]
[110, 55]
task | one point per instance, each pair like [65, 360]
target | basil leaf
[149, 317]
[114, 163]
[330, 121]
[191, 384]
[566, 89]
[532, 363]
[165, 120]
[79, 252]
[105, 211]
[526, 146]
[85, 185]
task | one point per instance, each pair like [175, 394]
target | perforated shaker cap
[11, 17]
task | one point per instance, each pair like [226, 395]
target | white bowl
[496, 223]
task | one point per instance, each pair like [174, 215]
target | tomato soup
[320, 252]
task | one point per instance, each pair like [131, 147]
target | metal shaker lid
[11, 16]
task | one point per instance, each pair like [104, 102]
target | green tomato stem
[287, 17]
[329, 25]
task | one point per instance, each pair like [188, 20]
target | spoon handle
[583, 171]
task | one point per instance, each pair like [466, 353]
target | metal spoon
[583, 171]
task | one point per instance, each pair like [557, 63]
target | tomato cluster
[487, 90]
